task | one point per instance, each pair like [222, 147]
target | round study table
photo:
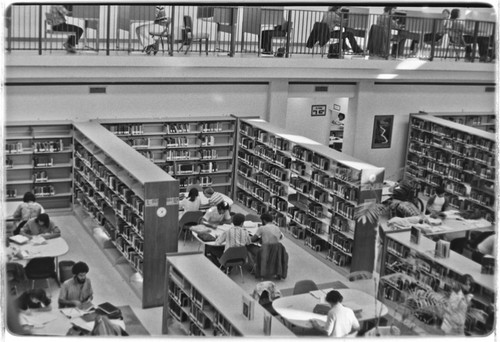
[51, 248]
[298, 309]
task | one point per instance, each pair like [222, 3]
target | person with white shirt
[192, 202]
[340, 321]
[437, 203]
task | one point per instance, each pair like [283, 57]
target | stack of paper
[38, 240]
[19, 239]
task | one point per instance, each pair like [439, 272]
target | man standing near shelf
[41, 226]
[214, 197]
[77, 291]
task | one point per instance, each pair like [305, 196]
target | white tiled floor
[110, 286]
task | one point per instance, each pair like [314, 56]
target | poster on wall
[318, 110]
[382, 131]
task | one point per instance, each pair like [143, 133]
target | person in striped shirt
[215, 197]
[235, 236]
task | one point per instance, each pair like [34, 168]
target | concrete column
[277, 102]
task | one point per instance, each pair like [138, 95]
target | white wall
[400, 101]
[125, 101]
[300, 121]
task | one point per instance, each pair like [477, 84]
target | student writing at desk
[217, 215]
[438, 202]
[215, 197]
[77, 291]
[34, 299]
[41, 226]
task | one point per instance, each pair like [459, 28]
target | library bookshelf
[311, 190]
[408, 267]
[135, 202]
[38, 158]
[205, 310]
[458, 157]
[482, 121]
[186, 148]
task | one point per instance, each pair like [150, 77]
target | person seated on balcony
[389, 23]
[335, 20]
[456, 33]
[267, 37]
[58, 14]
[158, 26]
[437, 37]
[41, 226]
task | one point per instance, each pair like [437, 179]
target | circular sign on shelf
[161, 212]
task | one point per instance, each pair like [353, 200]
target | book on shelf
[40, 176]
[39, 161]
[442, 249]
[14, 147]
[488, 264]
[8, 163]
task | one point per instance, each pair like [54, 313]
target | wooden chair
[287, 32]
[456, 41]
[190, 218]
[189, 38]
[164, 34]
[304, 286]
[234, 257]
[48, 32]
[132, 15]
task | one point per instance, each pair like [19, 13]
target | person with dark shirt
[33, 299]
[76, 291]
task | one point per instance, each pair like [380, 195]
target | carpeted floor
[132, 323]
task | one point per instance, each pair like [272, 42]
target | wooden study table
[298, 309]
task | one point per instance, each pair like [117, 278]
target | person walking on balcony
[58, 15]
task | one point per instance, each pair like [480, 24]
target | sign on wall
[318, 110]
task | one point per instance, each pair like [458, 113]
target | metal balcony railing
[230, 30]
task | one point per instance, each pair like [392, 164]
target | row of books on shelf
[257, 191]
[130, 234]
[40, 176]
[279, 204]
[344, 208]
[341, 242]
[189, 154]
[251, 202]
[134, 129]
[453, 134]
[44, 190]
[273, 156]
[48, 146]
[130, 253]
[187, 181]
[276, 188]
[14, 147]
[341, 224]
[338, 258]
[314, 243]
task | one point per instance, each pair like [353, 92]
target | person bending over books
[217, 215]
[215, 197]
[27, 210]
[340, 321]
[77, 291]
[34, 299]
[41, 226]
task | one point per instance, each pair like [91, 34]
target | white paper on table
[38, 240]
[302, 316]
[36, 319]
[72, 312]
[250, 224]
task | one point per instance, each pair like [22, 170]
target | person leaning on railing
[58, 15]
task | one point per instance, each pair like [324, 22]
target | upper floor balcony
[287, 42]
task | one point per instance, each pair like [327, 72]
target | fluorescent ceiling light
[386, 76]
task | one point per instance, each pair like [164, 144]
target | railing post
[233, 31]
[288, 30]
[171, 48]
[433, 41]
[108, 29]
[474, 41]
[40, 17]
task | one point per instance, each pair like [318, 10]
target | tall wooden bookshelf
[185, 148]
[135, 202]
[458, 157]
[38, 159]
[208, 303]
[311, 190]
[408, 266]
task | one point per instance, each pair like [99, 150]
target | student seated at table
[268, 232]
[192, 202]
[235, 236]
[215, 197]
[438, 202]
[77, 291]
[41, 226]
[34, 299]
[341, 320]
[217, 215]
[196, 185]
[27, 210]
